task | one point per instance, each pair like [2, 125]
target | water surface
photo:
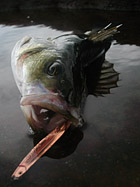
[108, 147]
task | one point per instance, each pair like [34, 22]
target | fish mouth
[46, 112]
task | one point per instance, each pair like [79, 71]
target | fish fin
[103, 34]
[108, 79]
[98, 75]
[96, 44]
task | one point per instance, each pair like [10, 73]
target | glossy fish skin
[54, 75]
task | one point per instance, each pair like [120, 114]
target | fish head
[43, 73]
[55, 75]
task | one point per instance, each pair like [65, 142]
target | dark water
[108, 150]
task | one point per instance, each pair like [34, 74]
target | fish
[55, 75]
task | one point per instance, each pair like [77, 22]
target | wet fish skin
[60, 70]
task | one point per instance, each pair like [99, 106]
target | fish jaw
[46, 112]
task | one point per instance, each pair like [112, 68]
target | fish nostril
[26, 40]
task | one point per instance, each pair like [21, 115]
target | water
[108, 147]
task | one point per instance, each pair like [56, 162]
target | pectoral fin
[108, 79]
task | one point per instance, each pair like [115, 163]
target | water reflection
[79, 20]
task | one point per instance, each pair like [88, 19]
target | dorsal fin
[103, 34]
[91, 68]
[108, 79]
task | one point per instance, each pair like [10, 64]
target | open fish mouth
[46, 112]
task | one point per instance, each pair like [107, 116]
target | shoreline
[114, 5]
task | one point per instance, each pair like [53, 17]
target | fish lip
[54, 103]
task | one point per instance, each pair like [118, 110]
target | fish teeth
[43, 110]
[47, 119]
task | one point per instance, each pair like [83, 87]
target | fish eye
[55, 69]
